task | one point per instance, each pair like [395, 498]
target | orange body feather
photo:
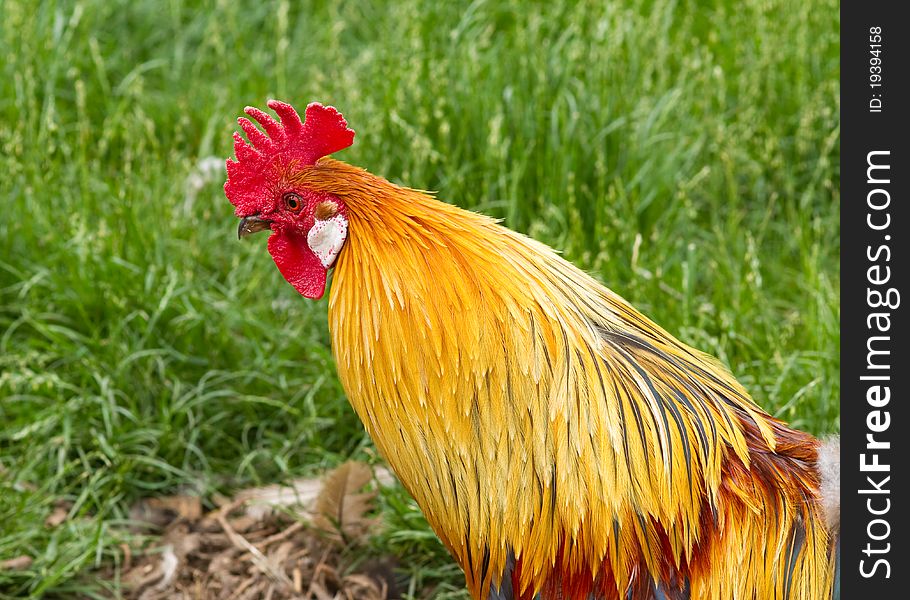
[557, 440]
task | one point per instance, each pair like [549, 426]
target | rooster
[560, 443]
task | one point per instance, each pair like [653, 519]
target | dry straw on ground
[296, 541]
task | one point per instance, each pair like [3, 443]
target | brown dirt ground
[296, 541]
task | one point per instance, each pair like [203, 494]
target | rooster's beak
[252, 224]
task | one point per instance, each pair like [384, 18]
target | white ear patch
[327, 237]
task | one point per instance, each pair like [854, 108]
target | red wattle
[298, 264]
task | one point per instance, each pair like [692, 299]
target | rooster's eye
[292, 201]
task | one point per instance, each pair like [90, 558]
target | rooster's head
[265, 185]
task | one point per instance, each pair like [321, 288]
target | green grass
[684, 152]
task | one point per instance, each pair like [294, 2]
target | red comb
[284, 142]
